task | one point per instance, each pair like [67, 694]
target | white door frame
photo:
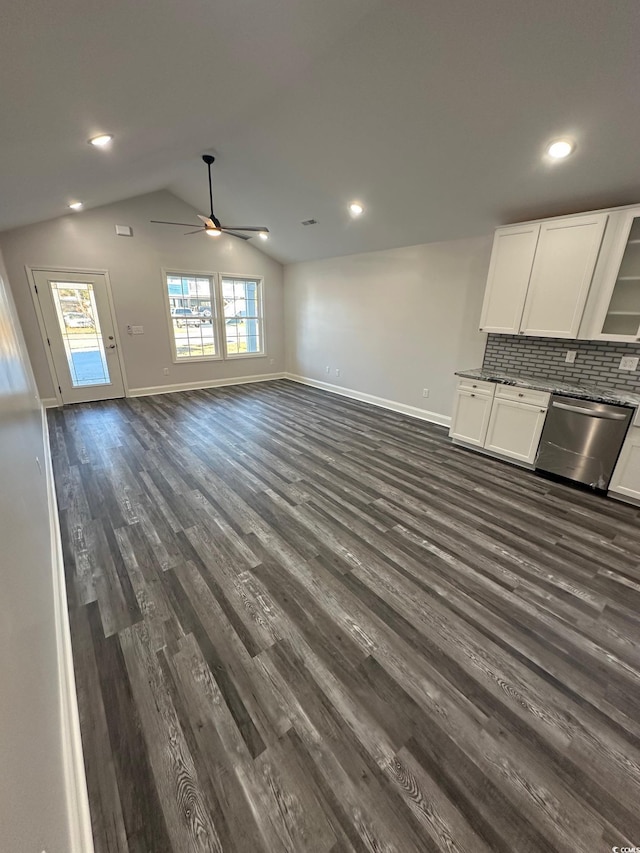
[30, 271]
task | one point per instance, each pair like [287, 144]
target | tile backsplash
[596, 361]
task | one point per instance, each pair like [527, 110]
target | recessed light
[76, 205]
[212, 232]
[102, 140]
[560, 149]
[355, 208]
[263, 235]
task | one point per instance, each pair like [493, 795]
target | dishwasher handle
[591, 413]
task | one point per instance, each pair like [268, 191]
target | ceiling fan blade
[162, 222]
[197, 231]
[235, 234]
[207, 221]
[245, 228]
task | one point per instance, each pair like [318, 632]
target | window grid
[192, 315]
[242, 299]
[213, 316]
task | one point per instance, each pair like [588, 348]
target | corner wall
[392, 322]
[35, 801]
[87, 240]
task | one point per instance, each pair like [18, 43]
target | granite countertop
[586, 392]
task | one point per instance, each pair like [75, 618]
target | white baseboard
[79, 817]
[49, 402]
[412, 411]
[195, 386]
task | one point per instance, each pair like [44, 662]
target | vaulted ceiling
[434, 114]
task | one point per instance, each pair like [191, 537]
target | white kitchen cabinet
[626, 474]
[618, 313]
[563, 267]
[471, 415]
[514, 429]
[509, 272]
[540, 275]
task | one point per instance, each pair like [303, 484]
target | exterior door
[80, 334]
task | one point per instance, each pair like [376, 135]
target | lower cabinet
[626, 475]
[471, 416]
[504, 419]
[514, 429]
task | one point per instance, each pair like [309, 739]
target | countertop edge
[598, 395]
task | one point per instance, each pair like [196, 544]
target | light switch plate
[570, 357]
[628, 362]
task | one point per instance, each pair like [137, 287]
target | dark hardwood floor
[301, 623]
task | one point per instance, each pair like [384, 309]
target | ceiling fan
[211, 224]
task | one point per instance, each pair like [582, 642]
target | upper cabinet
[509, 272]
[563, 267]
[540, 275]
[617, 317]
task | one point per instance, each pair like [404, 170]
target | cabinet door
[620, 320]
[563, 267]
[515, 429]
[626, 475]
[509, 272]
[471, 417]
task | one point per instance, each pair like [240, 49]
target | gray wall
[33, 808]
[596, 361]
[87, 240]
[394, 322]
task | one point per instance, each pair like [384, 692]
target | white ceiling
[434, 114]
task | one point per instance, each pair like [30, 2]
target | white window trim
[218, 323]
[215, 290]
[246, 277]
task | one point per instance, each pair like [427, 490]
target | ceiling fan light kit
[211, 224]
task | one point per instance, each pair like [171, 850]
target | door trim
[30, 272]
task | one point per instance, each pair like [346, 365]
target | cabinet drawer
[523, 395]
[476, 386]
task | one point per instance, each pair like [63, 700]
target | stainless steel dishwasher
[581, 440]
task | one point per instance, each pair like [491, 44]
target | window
[242, 305]
[214, 316]
[192, 311]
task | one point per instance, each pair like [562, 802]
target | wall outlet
[425, 392]
[272, 361]
[570, 357]
[166, 371]
[327, 369]
[337, 371]
[628, 362]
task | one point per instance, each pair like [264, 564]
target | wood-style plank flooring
[301, 623]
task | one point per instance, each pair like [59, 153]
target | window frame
[215, 319]
[259, 279]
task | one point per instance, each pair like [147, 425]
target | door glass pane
[623, 314]
[79, 324]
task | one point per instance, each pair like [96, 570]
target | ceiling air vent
[310, 222]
